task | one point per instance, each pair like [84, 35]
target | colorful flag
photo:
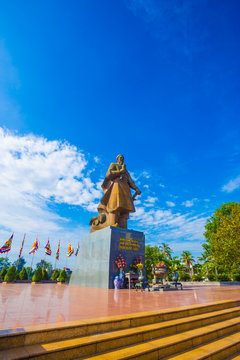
[58, 250]
[77, 250]
[7, 246]
[70, 250]
[48, 250]
[20, 252]
[35, 246]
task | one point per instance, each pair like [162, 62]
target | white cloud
[189, 203]
[232, 185]
[170, 203]
[145, 175]
[36, 174]
[34, 166]
[167, 225]
[96, 159]
[133, 176]
[150, 201]
[162, 185]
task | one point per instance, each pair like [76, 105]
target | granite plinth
[95, 267]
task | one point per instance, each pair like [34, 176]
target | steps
[204, 331]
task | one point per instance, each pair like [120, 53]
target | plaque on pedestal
[95, 263]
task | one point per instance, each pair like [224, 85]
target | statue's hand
[138, 192]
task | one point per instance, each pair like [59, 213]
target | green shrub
[197, 277]
[37, 277]
[45, 275]
[23, 274]
[3, 273]
[11, 274]
[223, 277]
[184, 276]
[55, 275]
[236, 277]
[211, 277]
[63, 276]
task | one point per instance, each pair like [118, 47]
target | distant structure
[117, 202]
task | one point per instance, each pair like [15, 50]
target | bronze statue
[117, 201]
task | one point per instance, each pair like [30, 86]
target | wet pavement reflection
[27, 304]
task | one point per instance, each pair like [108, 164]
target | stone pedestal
[95, 267]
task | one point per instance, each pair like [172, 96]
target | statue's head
[120, 159]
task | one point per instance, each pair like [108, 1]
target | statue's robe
[117, 191]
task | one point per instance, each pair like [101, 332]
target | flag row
[7, 247]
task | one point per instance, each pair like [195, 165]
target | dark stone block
[95, 267]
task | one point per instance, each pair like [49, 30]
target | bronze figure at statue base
[117, 201]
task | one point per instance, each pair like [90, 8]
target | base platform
[95, 263]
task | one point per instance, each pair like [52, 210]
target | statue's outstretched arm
[133, 185]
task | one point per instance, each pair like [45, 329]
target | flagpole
[44, 261]
[57, 253]
[31, 265]
[20, 251]
[17, 264]
[5, 260]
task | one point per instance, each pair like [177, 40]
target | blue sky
[82, 81]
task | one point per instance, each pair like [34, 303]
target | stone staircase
[203, 331]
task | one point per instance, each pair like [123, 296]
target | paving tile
[50, 303]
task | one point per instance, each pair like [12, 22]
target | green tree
[63, 276]
[19, 263]
[30, 272]
[205, 257]
[23, 274]
[184, 276]
[55, 275]
[214, 222]
[152, 256]
[3, 273]
[37, 277]
[197, 268]
[188, 260]
[165, 250]
[225, 241]
[45, 275]
[44, 265]
[175, 264]
[11, 274]
[213, 256]
[4, 262]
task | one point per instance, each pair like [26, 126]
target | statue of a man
[117, 202]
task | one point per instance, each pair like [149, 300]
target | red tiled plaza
[27, 304]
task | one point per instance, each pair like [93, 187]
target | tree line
[220, 258]
[17, 271]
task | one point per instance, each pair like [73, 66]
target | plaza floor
[26, 304]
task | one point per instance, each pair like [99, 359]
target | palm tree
[165, 250]
[207, 259]
[175, 264]
[188, 260]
